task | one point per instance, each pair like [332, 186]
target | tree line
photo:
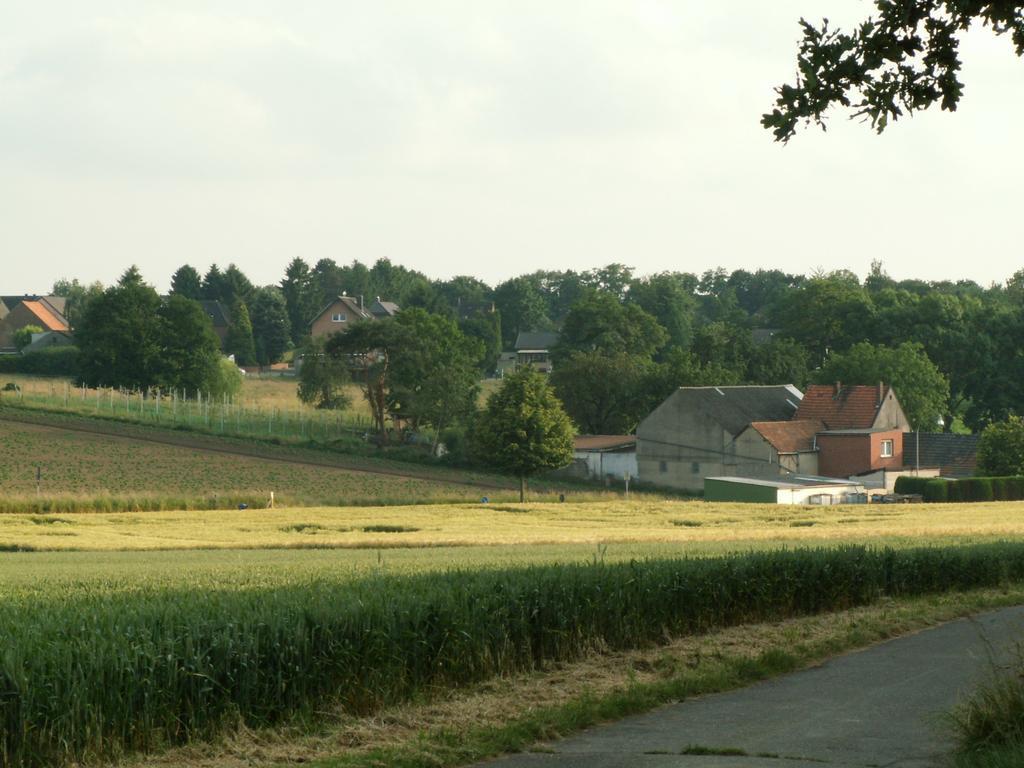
[953, 350]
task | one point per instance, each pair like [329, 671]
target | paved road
[879, 707]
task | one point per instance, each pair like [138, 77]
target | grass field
[265, 406]
[638, 528]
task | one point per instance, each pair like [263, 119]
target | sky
[488, 138]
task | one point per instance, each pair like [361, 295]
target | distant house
[599, 456]
[533, 349]
[338, 316]
[45, 312]
[220, 318]
[694, 434]
[381, 309]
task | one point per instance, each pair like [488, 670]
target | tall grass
[989, 724]
[95, 674]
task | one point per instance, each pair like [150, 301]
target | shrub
[974, 489]
[936, 490]
[56, 361]
[907, 484]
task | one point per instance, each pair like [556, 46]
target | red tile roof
[49, 321]
[789, 436]
[604, 442]
[855, 407]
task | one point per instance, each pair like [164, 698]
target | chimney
[881, 392]
[839, 388]
[360, 301]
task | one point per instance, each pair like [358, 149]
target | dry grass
[691, 527]
[498, 702]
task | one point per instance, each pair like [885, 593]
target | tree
[921, 388]
[827, 313]
[904, 60]
[129, 338]
[270, 329]
[23, 336]
[604, 394]
[1001, 448]
[485, 327]
[187, 282]
[236, 286]
[522, 308]
[299, 297]
[189, 355]
[323, 377]
[215, 286]
[780, 361]
[434, 377]
[601, 323]
[119, 336]
[523, 429]
[78, 297]
[239, 341]
[367, 348]
[669, 300]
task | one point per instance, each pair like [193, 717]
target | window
[886, 449]
[338, 317]
[663, 466]
[695, 468]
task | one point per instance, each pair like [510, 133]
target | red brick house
[848, 452]
[864, 426]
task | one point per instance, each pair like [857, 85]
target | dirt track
[238, 447]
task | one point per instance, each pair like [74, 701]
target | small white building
[797, 490]
[603, 456]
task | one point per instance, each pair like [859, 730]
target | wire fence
[239, 416]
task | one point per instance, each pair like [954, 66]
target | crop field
[73, 466]
[92, 672]
[633, 528]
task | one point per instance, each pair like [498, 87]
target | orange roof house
[30, 311]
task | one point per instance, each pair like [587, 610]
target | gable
[850, 407]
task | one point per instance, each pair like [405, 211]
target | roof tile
[855, 407]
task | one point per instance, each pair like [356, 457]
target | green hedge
[967, 489]
[99, 674]
[907, 484]
[57, 361]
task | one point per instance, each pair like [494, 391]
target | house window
[886, 449]
[338, 317]
[695, 468]
[663, 466]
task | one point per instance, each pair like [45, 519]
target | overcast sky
[486, 138]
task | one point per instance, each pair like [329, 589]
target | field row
[97, 674]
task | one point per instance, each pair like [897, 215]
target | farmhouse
[693, 434]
